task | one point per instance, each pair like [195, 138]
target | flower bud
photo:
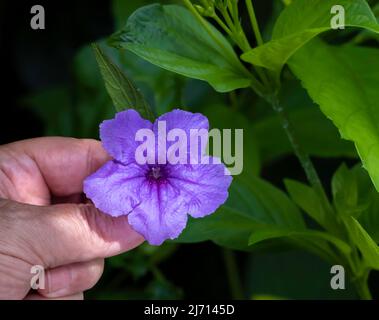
[206, 12]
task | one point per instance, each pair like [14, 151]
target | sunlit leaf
[303, 20]
[343, 82]
[172, 38]
[367, 246]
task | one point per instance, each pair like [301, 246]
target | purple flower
[156, 197]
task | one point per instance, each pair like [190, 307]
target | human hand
[43, 220]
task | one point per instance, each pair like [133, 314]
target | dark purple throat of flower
[156, 198]
[157, 173]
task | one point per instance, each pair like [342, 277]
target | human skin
[46, 221]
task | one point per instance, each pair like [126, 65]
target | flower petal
[204, 186]
[162, 214]
[114, 188]
[118, 135]
[179, 119]
[184, 120]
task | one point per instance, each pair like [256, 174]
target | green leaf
[369, 200]
[301, 21]
[123, 92]
[369, 218]
[222, 117]
[122, 9]
[253, 204]
[171, 37]
[367, 246]
[344, 186]
[343, 81]
[312, 129]
[346, 196]
[299, 236]
[366, 35]
[293, 275]
[307, 199]
[355, 195]
[311, 126]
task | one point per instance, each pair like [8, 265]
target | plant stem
[254, 22]
[257, 86]
[227, 18]
[303, 157]
[233, 8]
[360, 274]
[258, 37]
[313, 178]
[209, 30]
[222, 25]
[237, 33]
[233, 274]
[197, 15]
[361, 285]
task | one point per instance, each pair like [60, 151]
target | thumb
[69, 233]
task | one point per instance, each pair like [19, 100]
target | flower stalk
[256, 84]
[303, 157]
[254, 22]
[361, 285]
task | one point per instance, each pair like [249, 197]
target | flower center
[156, 173]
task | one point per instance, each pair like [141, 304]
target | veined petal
[204, 186]
[185, 121]
[118, 135]
[114, 188]
[161, 215]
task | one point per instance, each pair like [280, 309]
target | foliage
[205, 59]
